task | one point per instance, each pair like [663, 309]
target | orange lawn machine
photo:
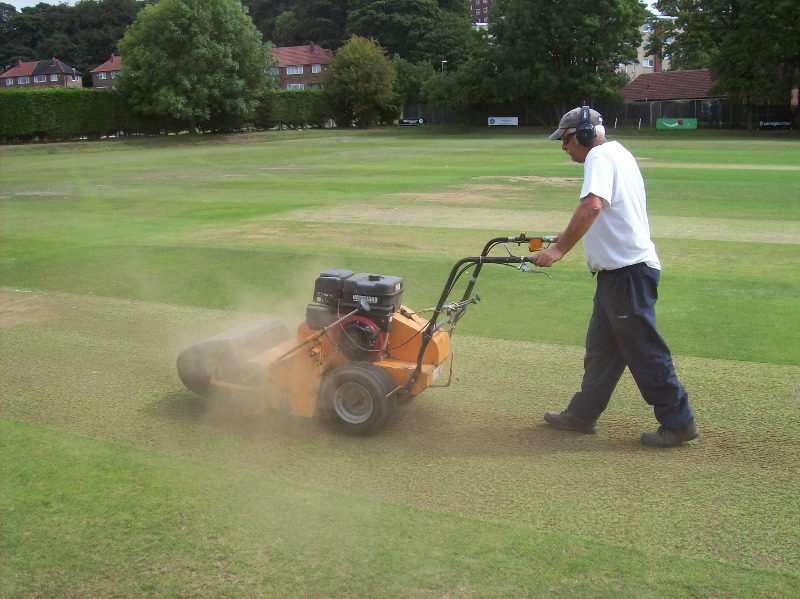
[358, 353]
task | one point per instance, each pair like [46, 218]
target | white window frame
[294, 69]
[23, 80]
[40, 78]
[9, 81]
[316, 68]
[101, 75]
[53, 76]
[648, 63]
[295, 86]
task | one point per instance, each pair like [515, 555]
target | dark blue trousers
[622, 332]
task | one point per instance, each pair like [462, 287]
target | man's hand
[548, 257]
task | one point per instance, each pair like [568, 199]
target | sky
[23, 3]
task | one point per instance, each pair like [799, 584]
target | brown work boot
[670, 437]
[568, 421]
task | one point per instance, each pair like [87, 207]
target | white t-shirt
[620, 236]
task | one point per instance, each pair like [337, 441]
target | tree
[199, 62]
[470, 88]
[360, 86]
[398, 25]
[12, 45]
[416, 30]
[694, 52]
[31, 30]
[320, 21]
[453, 38]
[560, 54]
[7, 12]
[264, 13]
[411, 77]
[83, 35]
[97, 28]
[753, 47]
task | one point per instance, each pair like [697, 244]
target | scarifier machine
[358, 353]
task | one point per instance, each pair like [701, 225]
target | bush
[360, 85]
[199, 62]
[294, 108]
[57, 114]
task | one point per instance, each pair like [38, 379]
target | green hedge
[294, 108]
[57, 114]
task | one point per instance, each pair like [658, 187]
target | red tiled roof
[21, 69]
[47, 67]
[297, 55]
[672, 85]
[112, 64]
[38, 67]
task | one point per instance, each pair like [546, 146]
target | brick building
[106, 74]
[41, 73]
[480, 10]
[302, 67]
[645, 63]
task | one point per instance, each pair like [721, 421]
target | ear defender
[585, 133]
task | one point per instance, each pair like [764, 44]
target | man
[611, 218]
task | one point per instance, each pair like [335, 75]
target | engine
[338, 292]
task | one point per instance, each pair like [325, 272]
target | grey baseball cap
[572, 119]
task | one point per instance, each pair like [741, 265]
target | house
[675, 94]
[302, 67]
[106, 74]
[480, 10]
[41, 73]
[646, 63]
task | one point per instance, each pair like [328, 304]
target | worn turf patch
[93, 518]
[455, 210]
[105, 368]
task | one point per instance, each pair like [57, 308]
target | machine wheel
[196, 369]
[354, 397]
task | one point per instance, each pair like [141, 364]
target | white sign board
[503, 120]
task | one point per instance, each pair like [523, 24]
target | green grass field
[116, 481]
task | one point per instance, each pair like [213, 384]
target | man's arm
[583, 217]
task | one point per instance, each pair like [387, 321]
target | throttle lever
[523, 267]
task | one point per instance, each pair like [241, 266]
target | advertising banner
[503, 120]
[676, 123]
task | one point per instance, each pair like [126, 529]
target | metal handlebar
[534, 244]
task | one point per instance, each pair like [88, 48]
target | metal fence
[709, 112]
[717, 113]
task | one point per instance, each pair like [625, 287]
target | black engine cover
[337, 291]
